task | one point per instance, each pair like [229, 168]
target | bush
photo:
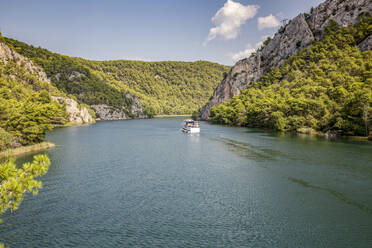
[6, 140]
[150, 111]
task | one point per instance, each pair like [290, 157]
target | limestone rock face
[77, 114]
[136, 108]
[106, 112]
[298, 34]
[344, 12]
[9, 55]
[366, 44]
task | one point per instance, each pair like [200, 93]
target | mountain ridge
[110, 87]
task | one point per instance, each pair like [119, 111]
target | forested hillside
[27, 110]
[327, 87]
[161, 87]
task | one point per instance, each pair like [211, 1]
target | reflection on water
[144, 183]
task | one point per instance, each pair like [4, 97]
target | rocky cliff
[106, 112]
[77, 115]
[9, 55]
[298, 34]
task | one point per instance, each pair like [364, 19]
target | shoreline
[166, 116]
[26, 149]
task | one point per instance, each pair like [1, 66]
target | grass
[26, 149]
[307, 130]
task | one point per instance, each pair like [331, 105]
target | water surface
[143, 183]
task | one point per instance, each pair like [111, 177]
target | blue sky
[181, 30]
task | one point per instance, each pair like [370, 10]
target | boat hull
[191, 130]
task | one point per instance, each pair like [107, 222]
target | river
[143, 183]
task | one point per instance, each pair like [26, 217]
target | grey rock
[77, 114]
[74, 74]
[344, 12]
[366, 44]
[136, 108]
[9, 55]
[106, 112]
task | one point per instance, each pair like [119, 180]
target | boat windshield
[191, 123]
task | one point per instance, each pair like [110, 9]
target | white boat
[190, 126]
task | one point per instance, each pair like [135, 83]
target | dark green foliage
[150, 111]
[168, 87]
[332, 26]
[325, 87]
[298, 44]
[265, 43]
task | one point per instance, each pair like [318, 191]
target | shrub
[6, 139]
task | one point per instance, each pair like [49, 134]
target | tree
[16, 182]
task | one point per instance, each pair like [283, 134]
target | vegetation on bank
[26, 149]
[162, 87]
[325, 87]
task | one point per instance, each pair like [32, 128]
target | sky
[221, 31]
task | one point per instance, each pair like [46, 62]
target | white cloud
[269, 21]
[249, 49]
[243, 54]
[229, 19]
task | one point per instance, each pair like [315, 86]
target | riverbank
[26, 149]
[166, 116]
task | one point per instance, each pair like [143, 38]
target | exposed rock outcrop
[298, 34]
[106, 112]
[366, 44]
[9, 55]
[77, 114]
[344, 12]
[136, 108]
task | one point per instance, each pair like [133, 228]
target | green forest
[162, 87]
[327, 87]
[27, 111]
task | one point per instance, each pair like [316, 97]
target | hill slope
[327, 87]
[27, 108]
[300, 33]
[161, 87]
